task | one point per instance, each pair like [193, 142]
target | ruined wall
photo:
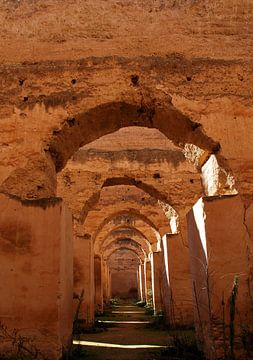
[36, 275]
[221, 266]
[124, 266]
[73, 71]
[84, 279]
[143, 27]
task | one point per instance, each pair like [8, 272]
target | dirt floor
[130, 325]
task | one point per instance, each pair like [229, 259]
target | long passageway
[129, 333]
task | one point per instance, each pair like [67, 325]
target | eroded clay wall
[124, 284]
[220, 255]
[36, 274]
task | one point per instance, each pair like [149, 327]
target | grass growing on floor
[183, 345]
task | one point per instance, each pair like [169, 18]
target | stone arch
[122, 240]
[109, 238]
[124, 248]
[150, 236]
[109, 117]
[130, 214]
[128, 181]
[152, 214]
[39, 175]
[128, 246]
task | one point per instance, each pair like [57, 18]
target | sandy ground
[128, 334]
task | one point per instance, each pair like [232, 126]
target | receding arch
[124, 180]
[109, 117]
[85, 127]
[141, 240]
[121, 241]
[125, 248]
[130, 214]
[110, 250]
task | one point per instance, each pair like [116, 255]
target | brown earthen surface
[129, 112]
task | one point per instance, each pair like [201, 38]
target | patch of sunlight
[127, 312]
[118, 346]
[124, 322]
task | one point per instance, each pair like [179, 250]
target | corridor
[128, 332]
[126, 172]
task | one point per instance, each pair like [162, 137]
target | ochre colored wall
[124, 284]
[36, 283]
[220, 248]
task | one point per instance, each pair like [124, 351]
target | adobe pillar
[106, 275]
[98, 269]
[181, 302]
[84, 278]
[142, 282]
[221, 250]
[148, 283]
[36, 277]
[156, 265]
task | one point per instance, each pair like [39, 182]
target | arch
[109, 251]
[124, 180]
[142, 241]
[124, 248]
[153, 215]
[137, 230]
[122, 242]
[129, 214]
[103, 119]
[109, 117]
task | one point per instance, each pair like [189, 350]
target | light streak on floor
[118, 346]
[124, 322]
[128, 312]
[124, 306]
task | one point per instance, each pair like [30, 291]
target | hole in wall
[71, 121]
[135, 80]
[157, 175]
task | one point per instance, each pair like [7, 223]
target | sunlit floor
[129, 336]
[116, 346]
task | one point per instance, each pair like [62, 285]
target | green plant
[149, 310]
[159, 322]
[183, 346]
[141, 303]
[114, 301]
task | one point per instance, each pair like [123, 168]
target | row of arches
[153, 231]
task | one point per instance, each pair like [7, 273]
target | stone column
[139, 289]
[36, 277]
[181, 303]
[105, 280]
[156, 265]
[84, 278]
[221, 249]
[165, 283]
[99, 306]
[109, 283]
[148, 283]
[142, 282]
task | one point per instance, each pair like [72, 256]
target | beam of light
[128, 312]
[124, 306]
[118, 346]
[123, 322]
